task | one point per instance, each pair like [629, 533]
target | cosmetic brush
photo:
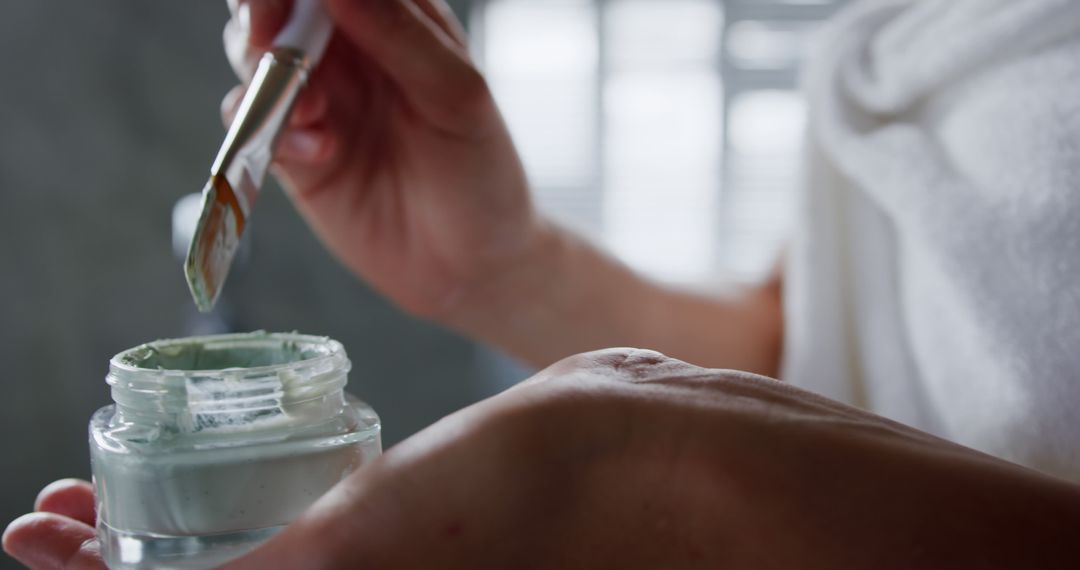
[240, 168]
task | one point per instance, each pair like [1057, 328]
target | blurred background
[668, 131]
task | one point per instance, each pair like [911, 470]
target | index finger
[46, 540]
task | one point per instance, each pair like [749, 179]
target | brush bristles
[214, 245]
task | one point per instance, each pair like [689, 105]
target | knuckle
[635, 358]
[629, 360]
[636, 365]
[619, 364]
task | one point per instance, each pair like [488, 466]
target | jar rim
[322, 349]
[220, 382]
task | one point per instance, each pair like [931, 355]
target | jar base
[135, 551]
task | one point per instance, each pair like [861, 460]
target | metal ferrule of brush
[248, 150]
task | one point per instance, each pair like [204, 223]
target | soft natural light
[768, 44]
[662, 171]
[618, 107]
[767, 122]
[661, 34]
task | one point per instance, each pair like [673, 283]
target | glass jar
[215, 443]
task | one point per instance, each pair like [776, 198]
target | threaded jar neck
[229, 382]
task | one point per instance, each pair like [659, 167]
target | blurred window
[668, 131]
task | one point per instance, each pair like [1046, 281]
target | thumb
[431, 68]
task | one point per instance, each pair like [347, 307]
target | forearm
[567, 297]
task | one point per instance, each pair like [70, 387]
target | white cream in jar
[215, 443]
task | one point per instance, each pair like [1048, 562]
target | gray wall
[108, 114]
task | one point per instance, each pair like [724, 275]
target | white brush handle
[308, 29]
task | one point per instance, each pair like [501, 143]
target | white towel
[935, 277]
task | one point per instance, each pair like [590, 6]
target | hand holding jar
[625, 458]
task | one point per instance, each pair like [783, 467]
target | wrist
[524, 279]
[560, 296]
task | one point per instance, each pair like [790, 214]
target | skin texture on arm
[628, 459]
[399, 160]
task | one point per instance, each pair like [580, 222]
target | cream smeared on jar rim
[254, 350]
